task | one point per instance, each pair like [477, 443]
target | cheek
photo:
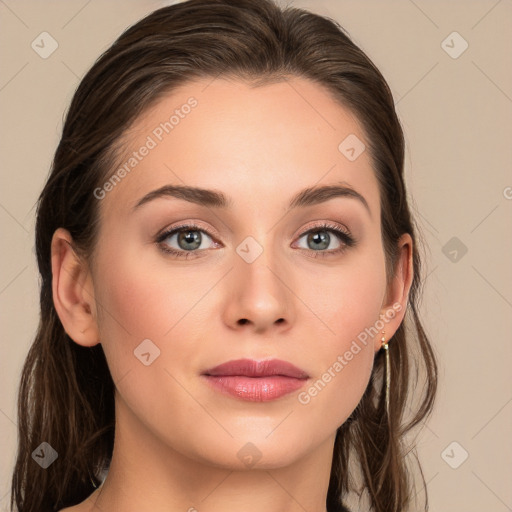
[349, 306]
[334, 394]
[145, 300]
[349, 299]
[140, 299]
[141, 296]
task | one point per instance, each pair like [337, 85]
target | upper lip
[252, 368]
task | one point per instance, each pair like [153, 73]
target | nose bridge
[256, 263]
[258, 293]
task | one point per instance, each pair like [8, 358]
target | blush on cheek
[143, 300]
[127, 309]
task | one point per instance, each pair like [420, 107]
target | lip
[252, 368]
[256, 381]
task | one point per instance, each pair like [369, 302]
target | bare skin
[177, 439]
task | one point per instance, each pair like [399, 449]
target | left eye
[320, 239]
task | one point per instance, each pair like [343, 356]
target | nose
[258, 297]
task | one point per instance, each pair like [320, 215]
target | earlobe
[73, 294]
[394, 309]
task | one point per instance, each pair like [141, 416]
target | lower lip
[255, 389]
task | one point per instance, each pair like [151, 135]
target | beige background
[456, 113]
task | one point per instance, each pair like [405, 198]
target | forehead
[247, 141]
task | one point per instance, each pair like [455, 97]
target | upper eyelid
[327, 225]
[196, 225]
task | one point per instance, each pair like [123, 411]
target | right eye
[189, 239]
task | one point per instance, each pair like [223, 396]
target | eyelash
[345, 238]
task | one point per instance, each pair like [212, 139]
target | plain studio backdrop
[448, 66]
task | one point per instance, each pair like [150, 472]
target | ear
[397, 295]
[73, 293]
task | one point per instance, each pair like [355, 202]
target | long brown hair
[66, 393]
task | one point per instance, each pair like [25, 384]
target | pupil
[190, 237]
[321, 239]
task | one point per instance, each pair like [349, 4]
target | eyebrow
[216, 199]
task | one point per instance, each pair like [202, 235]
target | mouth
[256, 381]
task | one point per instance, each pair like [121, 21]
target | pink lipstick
[256, 381]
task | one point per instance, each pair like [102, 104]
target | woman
[230, 277]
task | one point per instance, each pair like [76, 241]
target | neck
[147, 474]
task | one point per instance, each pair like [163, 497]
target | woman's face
[249, 282]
